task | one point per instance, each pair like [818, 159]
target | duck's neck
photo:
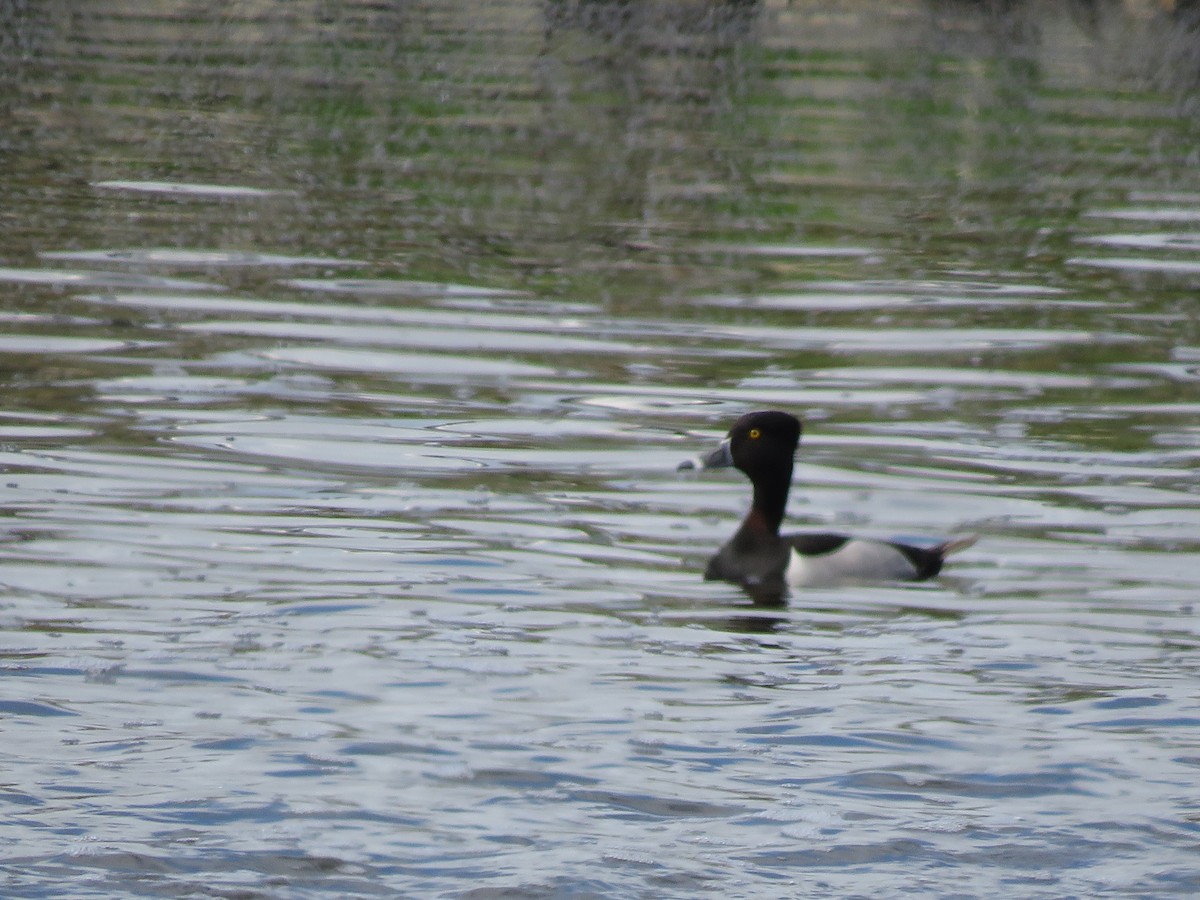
[770, 501]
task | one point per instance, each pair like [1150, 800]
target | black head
[764, 442]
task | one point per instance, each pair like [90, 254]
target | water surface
[348, 357]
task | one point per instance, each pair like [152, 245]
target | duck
[762, 446]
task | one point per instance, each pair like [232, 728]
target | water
[348, 356]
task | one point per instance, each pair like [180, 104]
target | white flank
[854, 561]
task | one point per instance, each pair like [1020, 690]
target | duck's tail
[955, 544]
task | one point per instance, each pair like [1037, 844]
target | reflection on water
[348, 355]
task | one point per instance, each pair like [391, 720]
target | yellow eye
[755, 434]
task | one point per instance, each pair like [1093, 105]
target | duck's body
[804, 560]
[762, 445]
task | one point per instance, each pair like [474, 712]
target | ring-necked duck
[763, 445]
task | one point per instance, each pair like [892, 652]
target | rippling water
[348, 356]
